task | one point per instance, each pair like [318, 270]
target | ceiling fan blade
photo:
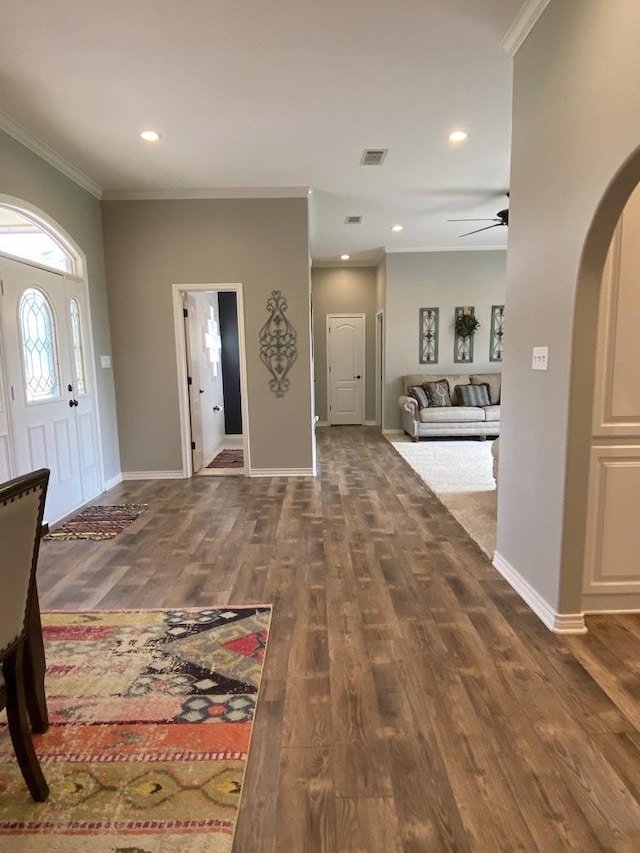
[478, 230]
[482, 219]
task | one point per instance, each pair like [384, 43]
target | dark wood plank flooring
[411, 701]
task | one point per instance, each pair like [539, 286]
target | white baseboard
[371, 423]
[559, 623]
[152, 475]
[322, 423]
[616, 602]
[282, 472]
[111, 483]
[393, 432]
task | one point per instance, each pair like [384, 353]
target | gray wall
[26, 176]
[575, 124]
[149, 246]
[441, 280]
[343, 291]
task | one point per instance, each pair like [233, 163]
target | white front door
[49, 399]
[345, 355]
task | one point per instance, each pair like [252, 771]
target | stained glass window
[78, 349]
[37, 330]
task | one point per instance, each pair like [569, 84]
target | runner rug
[150, 721]
[228, 459]
[98, 522]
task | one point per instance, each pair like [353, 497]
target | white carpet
[459, 472]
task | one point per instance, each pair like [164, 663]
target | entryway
[47, 399]
[211, 373]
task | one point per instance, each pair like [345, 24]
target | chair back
[21, 512]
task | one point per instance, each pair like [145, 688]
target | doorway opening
[212, 379]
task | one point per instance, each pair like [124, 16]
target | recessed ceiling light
[397, 227]
[458, 136]
[150, 136]
[344, 257]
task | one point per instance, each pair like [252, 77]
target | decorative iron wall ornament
[463, 346]
[428, 351]
[278, 344]
[497, 330]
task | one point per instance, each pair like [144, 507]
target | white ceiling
[277, 96]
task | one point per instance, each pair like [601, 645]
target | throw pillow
[418, 393]
[438, 392]
[473, 395]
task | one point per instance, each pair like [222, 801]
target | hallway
[411, 701]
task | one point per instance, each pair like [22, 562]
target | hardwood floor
[411, 701]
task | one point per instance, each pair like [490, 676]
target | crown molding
[13, 129]
[524, 22]
[217, 192]
[397, 251]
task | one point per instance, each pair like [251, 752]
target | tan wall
[149, 246]
[343, 291]
[444, 280]
[26, 176]
[575, 123]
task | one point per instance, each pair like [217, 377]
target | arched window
[24, 237]
[39, 353]
[78, 347]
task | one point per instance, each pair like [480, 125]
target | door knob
[201, 390]
[216, 408]
[357, 377]
[72, 403]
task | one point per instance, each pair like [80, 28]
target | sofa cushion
[418, 393]
[492, 413]
[438, 393]
[451, 414]
[493, 380]
[420, 378]
[473, 395]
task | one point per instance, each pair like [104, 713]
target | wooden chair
[21, 511]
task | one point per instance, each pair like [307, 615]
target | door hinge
[1, 287]
[189, 380]
[185, 312]
[193, 445]
[13, 394]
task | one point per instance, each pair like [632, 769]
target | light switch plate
[540, 358]
[105, 361]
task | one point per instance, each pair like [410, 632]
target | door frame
[80, 276]
[363, 317]
[379, 368]
[181, 364]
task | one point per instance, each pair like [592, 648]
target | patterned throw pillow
[438, 392]
[473, 395]
[418, 393]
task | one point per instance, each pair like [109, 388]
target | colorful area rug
[151, 715]
[228, 459]
[98, 522]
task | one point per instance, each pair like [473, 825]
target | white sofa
[457, 419]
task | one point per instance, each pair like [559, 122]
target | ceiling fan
[501, 218]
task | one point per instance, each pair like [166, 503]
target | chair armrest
[408, 404]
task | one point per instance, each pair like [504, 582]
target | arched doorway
[602, 498]
[47, 375]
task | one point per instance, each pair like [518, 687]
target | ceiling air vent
[353, 220]
[373, 156]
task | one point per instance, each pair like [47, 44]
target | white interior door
[345, 354]
[50, 417]
[193, 379]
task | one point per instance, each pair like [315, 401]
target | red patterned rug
[98, 522]
[228, 459]
[151, 715]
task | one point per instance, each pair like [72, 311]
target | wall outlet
[539, 359]
[105, 361]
